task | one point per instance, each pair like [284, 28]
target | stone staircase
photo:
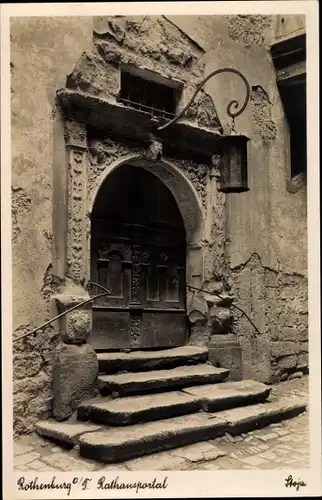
[156, 400]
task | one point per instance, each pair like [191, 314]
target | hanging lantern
[233, 164]
[232, 148]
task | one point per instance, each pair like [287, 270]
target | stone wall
[255, 241]
[43, 52]
[266, 228]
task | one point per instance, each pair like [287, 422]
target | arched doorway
[138, 251]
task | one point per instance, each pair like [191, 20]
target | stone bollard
[75, 367]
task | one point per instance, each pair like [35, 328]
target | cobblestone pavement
[274, 447]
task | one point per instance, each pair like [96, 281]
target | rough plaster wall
[277, 244]
[249, 29]
[276, 301]
[43, 52]
[267, 226]
[287, 322]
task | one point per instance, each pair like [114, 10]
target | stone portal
[137, 252]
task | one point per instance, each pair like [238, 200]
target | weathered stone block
[281, 349]
[295, 375]
[287, 293]
[286, 320]
[20, 402]
[77, 324]
[74, 377]
[287, 362]
[303, 360]
[225, 352]
[31, 385]
[289, 334]
[26, 364]
[304, 347]
[220, 319]
[199, 336]
[196, 318]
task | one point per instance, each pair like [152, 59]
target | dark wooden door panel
[111, 329]
[163, 329]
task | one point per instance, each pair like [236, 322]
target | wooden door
[139, 255]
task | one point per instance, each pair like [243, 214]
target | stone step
[216, 397]
[115, 444]
[142, 382]
[210, 397]
[120, 444]
[245, 419]
[137, 361]
[131, 410]
[64, 433]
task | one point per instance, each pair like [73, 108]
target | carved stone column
[77, 249]
[75, 366]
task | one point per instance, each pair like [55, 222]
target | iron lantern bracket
[232, 104]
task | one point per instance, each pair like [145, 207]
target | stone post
[75, 366]
[78, 234]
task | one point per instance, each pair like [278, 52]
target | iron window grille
[147, 94]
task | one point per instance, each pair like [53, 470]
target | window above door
[148, 91]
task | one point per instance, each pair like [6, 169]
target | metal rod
[191, 288]
[231, 104]
[91, 284]
[106, 292]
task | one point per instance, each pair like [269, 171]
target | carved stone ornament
[76, 216]
[75, 134]
[135, 331]
[101, 153]
[215, 167]
[78, 328]
[154, 151]
[197, 173]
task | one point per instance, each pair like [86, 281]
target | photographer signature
[291, 482]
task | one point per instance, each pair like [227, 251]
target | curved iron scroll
[231, 104]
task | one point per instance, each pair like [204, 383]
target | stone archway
[91, 156]
[191, 211]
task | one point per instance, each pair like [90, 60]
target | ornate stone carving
[135, 331]
[202, 110]
[79, 325]
[154, 150]
[76, 215]
[136, 282]
[126, 252]
[101, 153]
[75, 325]
[75, 134]
[215, 167]
[145, 256]
[104, 253]
[163, 257]
[197, 173]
